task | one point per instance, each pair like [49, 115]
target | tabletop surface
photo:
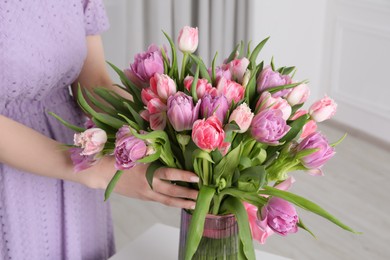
[161, 242]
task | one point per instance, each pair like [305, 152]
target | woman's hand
[133, 183]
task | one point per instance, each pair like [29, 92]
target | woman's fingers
[172, 174]
[172, 201]
[172, 190]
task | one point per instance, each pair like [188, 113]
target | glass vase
[219, 241]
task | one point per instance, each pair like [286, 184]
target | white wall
[296, 30]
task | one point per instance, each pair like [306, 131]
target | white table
[161, 242]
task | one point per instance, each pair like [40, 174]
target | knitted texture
[42, 50]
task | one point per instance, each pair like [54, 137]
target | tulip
[146, 64]
[281, 216]
[203, 87]
[318, 158]
[210, 105]
[323, 109]
[243, 116]
[231, 90]
[269, 78]
[91, 140]
[266, 101]
[208, 134]
[259, 228]
[237, 68]
[298, 95]
[122, 132]
[181, 111]
[162, 85]
[269, 126]
[81, 162]
[188, 39]
[128, 150]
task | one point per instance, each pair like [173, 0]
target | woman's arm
[25, 149]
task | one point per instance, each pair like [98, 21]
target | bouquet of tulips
[239, 126]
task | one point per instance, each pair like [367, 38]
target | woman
[46, 210]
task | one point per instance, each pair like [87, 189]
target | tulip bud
[188, 39]
[323, 109]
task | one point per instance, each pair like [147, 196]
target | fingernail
[193, 206]
[194, 179]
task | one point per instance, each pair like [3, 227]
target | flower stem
[183, 66]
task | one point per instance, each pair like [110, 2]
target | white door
[357, 64]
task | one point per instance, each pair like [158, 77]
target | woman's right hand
[133, 184]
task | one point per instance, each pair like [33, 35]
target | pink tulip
[281, 216]
[91, 140]
[128, 150]
[208, 134]
[81, 162]
[269, 78]
[145, 65]
[269, 127]
[163, 86]
[231, 90]
[309, 128]
[222, 71]
[202, 87]
[317, 159]
[158, 121]
[237, 68]
[323, 109]
[181, 111]
[298, 95]
[266, 101]
[122, 132]
[148, 94]
[155, 105]
[243, 116]
[188, 39]
[214, 105]
[89, 123]
[259, 228]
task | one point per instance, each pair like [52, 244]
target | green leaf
[233, 54]
[226, 167]
[109, 97]
[213, 73]
[256, 52]
[111, 185]
[166, 61]
[104, 118]
[252, 179]
[339, 141]
[104, 107]
[305, 153]
[130, 122]
[302, 225]
[138, 119]
[151, 158]
[250, 91]
[195, 230]
[150, 172]
[202, 68]
[194, 84]
[305, 204]
[174, 69]
[288, 70]
[234, 205]
[67, 124]
[279, 88]
[131, 87]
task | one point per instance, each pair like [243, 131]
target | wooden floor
[355, 188]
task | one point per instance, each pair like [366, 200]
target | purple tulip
[181, 111]
[218, 105]
[269, 126]
[316, 141]
[146, 64]
[81, 162]
[122, 132]
[128, 150]
[269, 79]
[281, 216]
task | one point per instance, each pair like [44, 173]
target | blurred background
[343, 48]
